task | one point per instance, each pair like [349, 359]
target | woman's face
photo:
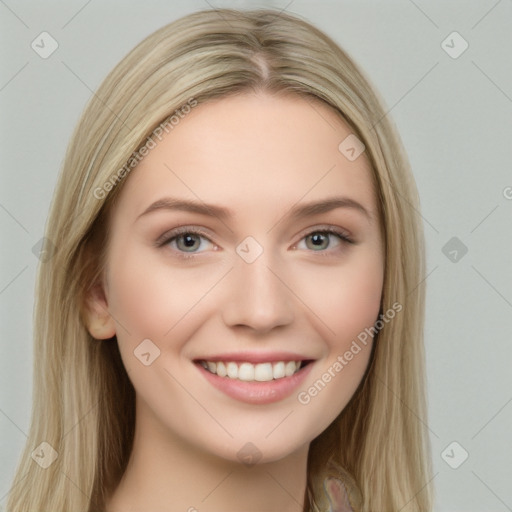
[248, 242]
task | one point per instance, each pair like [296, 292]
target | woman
[232, 318]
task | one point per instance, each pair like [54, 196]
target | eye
[322, 239]
[185, 240]
[188, 241]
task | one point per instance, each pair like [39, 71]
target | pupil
[189, 241]
[318, 239]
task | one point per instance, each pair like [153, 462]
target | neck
[168, 474]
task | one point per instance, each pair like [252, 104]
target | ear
[100, 323]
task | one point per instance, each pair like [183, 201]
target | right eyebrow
[171, 203]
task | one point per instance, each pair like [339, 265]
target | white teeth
[232, 370]
[290, 368]
[279, 370]
[263, 372]
[221, 369]
[248, 372]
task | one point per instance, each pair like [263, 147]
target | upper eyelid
[180, 230]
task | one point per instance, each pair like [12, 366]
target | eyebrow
[297, 212]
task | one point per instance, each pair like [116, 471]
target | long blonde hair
[83, 400]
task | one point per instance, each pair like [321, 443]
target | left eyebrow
[297, 212]
[326, 205]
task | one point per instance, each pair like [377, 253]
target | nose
[257, 297]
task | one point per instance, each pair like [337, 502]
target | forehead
[249, 151]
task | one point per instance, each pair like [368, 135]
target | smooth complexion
[259, 157]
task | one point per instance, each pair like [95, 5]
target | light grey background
[455, 118]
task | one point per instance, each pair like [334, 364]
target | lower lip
[256, 392]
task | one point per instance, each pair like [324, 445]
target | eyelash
[169, 237]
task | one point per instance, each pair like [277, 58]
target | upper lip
[256, 357]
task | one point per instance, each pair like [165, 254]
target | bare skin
[308, 292]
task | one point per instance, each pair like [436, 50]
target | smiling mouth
[248, 372]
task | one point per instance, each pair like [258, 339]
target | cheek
[346, 299]
[355, 303]
[153, 300]
[347, 303]
[149, 297]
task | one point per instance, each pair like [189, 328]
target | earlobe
[99, 322]
[102, 328]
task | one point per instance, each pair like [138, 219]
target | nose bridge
[257, 298]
